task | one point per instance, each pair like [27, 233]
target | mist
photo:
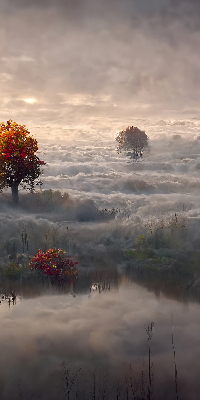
[94, 202]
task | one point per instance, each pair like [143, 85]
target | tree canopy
[18, 161]
[132, 139]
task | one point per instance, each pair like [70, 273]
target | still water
[122, 343]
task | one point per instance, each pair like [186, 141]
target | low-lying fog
[86, 165]
[111, 196]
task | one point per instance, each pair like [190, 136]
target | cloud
[20, 58]
[82, 58]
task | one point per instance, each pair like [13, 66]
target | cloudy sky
[81, 59]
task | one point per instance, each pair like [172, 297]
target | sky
[77, 61]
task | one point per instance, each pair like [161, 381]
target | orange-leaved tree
[19, 164]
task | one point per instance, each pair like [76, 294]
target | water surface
[56, 345]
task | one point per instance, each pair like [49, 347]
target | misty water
[102, 338]
[83, 343]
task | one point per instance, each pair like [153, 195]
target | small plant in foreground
[54, 264]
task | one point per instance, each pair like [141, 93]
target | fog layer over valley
[98, 193]
[91, 168]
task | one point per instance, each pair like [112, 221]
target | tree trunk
[15, 196]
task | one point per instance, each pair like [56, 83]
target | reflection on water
[105, 344]
[8, 298]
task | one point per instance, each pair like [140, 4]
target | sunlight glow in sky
[79, 59]
[30, 101]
